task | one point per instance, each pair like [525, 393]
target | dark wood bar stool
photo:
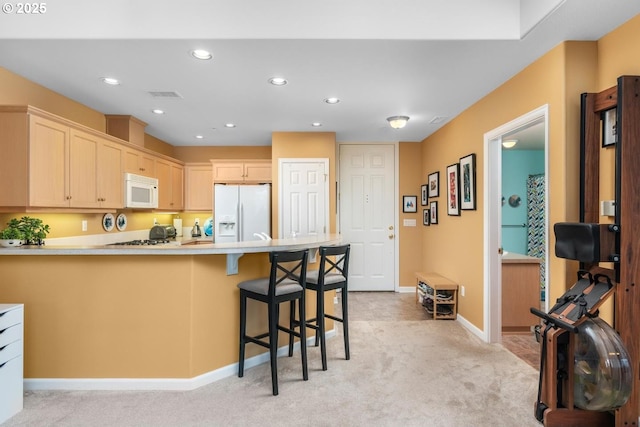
[332, 274]
[286, 282]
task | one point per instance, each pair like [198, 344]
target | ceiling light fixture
[201, 54]
[398, 122]
[110, 81]
[157, 111]
[230, 125]
[509, 143]
[278, 81]
[332, 100]
[316, 124]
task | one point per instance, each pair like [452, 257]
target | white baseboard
[406, 289]
[472, 328]
[166, 384]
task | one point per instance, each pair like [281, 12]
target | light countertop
[513, 258]
[183, 246]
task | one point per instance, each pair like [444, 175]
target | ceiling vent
[437, 120]
[165, 94]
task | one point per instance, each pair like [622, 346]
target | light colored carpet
[401, 372]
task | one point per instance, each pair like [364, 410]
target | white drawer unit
[11, 361]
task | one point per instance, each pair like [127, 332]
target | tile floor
[402, 306]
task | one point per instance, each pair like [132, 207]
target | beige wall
[454, 248]
[410, 246]
[304, 145]
[16, 90]
[197, 154]
[557, 79]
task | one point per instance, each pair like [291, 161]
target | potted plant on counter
[11, 237]
[34, 230]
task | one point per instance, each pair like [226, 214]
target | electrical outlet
[84, 225]
[461, 290]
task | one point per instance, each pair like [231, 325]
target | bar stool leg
[345, 322]
[303, 339]
[321, 328]
[243, 331]
[273, 345]
[292, 320]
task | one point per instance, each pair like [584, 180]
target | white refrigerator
[241, 212]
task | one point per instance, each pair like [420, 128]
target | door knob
[391, 227]
[391, 236]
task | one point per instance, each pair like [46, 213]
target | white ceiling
[421, 58]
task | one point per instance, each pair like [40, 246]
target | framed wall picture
[409, 204]
[453, 189]
[609, 127]
[433, 182]
[468, 182]
[433, 210]
[423, 191]
[426, 216]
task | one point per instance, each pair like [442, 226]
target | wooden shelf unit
[433, 285]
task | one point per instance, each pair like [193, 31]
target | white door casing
[304, 197]
[493, 218]
[368, 214]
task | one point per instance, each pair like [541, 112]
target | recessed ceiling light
[157, 111]
[331, 100]
[201, 54]
[110, 81]
[199, 137]
[316, 124]
[278, 81]
[230, 125]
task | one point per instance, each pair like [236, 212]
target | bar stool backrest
[286, 268]
[333, 268]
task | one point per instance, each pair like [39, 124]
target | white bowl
[10, 243]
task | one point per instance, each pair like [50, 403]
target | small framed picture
[423, 191]
[468, 182]
[609, 127]
[409, 204]
[433, 182]
[433, 212]
[453, 190]
[426, 216]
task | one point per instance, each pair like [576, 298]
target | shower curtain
[536, 222]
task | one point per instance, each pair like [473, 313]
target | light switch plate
[607, 207]
[409, 222]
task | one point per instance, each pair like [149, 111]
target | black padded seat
[332, 274]
[286, 282]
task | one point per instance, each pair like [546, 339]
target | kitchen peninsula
[114, 317]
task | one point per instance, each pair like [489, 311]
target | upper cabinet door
[83, 164]
[198, 187]
[242, 171]
[48, 163]
[228, 172]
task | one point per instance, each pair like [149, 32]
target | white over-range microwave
[140, 192]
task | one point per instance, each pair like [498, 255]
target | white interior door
[304, 197]
[367, 214]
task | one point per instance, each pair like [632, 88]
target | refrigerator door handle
[240, 220]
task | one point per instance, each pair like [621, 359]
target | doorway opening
[533, 125]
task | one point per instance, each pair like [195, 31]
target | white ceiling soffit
[532, 12]
[281, 19]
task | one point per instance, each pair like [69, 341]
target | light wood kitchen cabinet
[242, 171]
[48, 174]
[198, 187]
[95, 172]
[139, 162]
[520, 292]
[170, 185]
